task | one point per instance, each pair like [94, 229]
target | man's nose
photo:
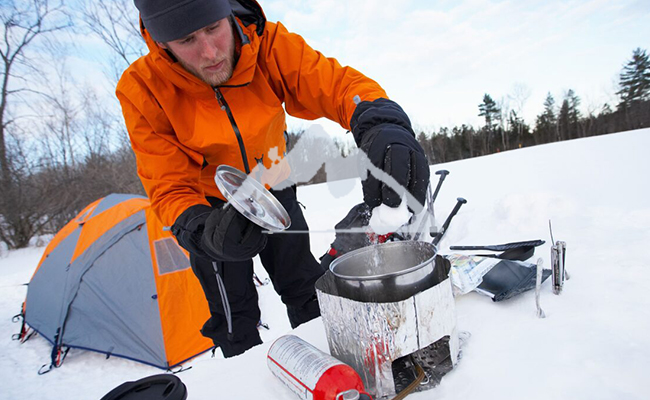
[207, 48]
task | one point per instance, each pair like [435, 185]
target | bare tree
[99, 124]
[519, 97]
[504, 122]
[77, 159]
[116, 24]
[59, 112]
[24, 204]
[439, 143]
[22, 23]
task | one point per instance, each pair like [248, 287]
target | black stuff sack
[155, 387]
[509, 278]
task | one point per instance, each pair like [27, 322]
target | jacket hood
[250, 26]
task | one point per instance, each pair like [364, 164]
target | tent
[113, 280]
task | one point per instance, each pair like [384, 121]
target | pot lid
[251, 199]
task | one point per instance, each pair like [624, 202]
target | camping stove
[386, 307]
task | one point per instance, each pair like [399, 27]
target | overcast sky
[438, 58]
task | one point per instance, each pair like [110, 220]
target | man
[211, 91]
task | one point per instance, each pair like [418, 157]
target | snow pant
[292, 268]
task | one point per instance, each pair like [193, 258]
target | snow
[387, 219]
[593, 343]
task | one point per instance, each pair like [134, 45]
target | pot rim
[366, 249]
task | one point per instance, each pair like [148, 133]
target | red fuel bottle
[312, 374]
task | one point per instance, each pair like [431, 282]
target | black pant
[291, 266]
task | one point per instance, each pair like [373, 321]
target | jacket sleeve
[310, 84]
[168, 170]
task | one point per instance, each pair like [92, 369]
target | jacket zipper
[224, 106]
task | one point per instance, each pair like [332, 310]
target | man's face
[208, 53]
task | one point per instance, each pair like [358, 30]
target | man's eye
[187, 40]
[213, 27]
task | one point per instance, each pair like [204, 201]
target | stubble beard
[214, 78]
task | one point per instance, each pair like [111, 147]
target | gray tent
[114, 281]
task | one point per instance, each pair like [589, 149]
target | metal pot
[388, 272]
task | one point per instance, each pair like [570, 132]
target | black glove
[344, 242]
[230, 236]
[356, 220]
[218, 233]
[383, 131]
[188, 229]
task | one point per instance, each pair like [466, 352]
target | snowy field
[594, 343]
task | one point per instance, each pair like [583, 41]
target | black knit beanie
[168, 20]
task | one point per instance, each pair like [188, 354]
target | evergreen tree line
[505, 130]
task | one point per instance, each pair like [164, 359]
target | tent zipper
[224, 106]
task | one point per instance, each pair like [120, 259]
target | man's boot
[304, 313]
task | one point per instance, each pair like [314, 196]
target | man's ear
[165, 47]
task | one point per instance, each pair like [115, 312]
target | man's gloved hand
[218, 233]
[355, 237]
[232, 237]
[188, 229]
[353, 233]
[355, 223]
[383, 131]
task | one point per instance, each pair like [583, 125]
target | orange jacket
[180, 133]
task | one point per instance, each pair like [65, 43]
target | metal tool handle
[459, 203]
[558, 272]
[431, 198]
[427, 216]
[538, 285]
[443, 174]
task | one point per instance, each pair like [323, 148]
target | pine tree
[563, 121]
[569, 118]
[574, 114]
[549, 107]
[491, 112]
[546, 123]
[635, 79]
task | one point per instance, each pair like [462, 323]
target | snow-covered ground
[594, 343]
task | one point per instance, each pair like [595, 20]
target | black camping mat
[155, 387]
